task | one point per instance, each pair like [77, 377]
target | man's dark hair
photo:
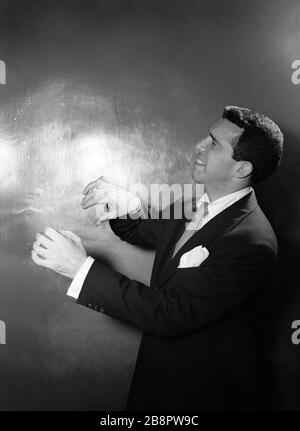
[261, 142]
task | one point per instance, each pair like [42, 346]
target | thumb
[105, 217]
[70, 235]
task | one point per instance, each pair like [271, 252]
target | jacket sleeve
[137, 230]
[144, 228]
[193, 298]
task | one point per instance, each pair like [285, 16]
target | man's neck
[215, 194]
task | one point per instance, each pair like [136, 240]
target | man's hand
[61, 251]
[116, 200]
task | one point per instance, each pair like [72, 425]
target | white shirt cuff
[77, 283]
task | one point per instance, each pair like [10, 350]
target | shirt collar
[223, 199]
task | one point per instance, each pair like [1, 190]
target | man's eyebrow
[215, 139]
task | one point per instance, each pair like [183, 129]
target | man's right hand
[116, 200]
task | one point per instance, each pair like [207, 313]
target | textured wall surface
[125, 89]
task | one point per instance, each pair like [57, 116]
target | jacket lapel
[221, 223]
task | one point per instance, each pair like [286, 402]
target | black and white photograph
[149, 209]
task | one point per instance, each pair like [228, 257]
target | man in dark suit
[198, 347]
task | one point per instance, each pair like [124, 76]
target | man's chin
[197, 177]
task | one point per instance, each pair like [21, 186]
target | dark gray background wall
[125, 89]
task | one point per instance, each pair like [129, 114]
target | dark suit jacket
[198, 348]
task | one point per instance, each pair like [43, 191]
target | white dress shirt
[219, 205]
[214, 208]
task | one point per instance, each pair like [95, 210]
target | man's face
[213, 164]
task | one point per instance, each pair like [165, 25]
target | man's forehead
[226, 130]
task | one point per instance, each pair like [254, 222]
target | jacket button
[89, 304]
[96, 308]
[101, 309]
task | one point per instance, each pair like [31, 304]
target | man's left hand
[61, 251]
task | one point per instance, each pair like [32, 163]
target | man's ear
[243, 169]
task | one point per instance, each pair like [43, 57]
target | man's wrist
[79, 265]
[139, 203]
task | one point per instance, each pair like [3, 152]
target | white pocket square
[193, 257]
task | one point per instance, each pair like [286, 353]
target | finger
[89, 201]
[70, 235]
[52, 233]
[43, 240]
[91, 185]
[38, 260]
[39, 250]
[105, 217]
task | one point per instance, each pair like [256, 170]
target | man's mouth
[199, 162]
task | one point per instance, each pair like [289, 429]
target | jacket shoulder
[255, 229]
